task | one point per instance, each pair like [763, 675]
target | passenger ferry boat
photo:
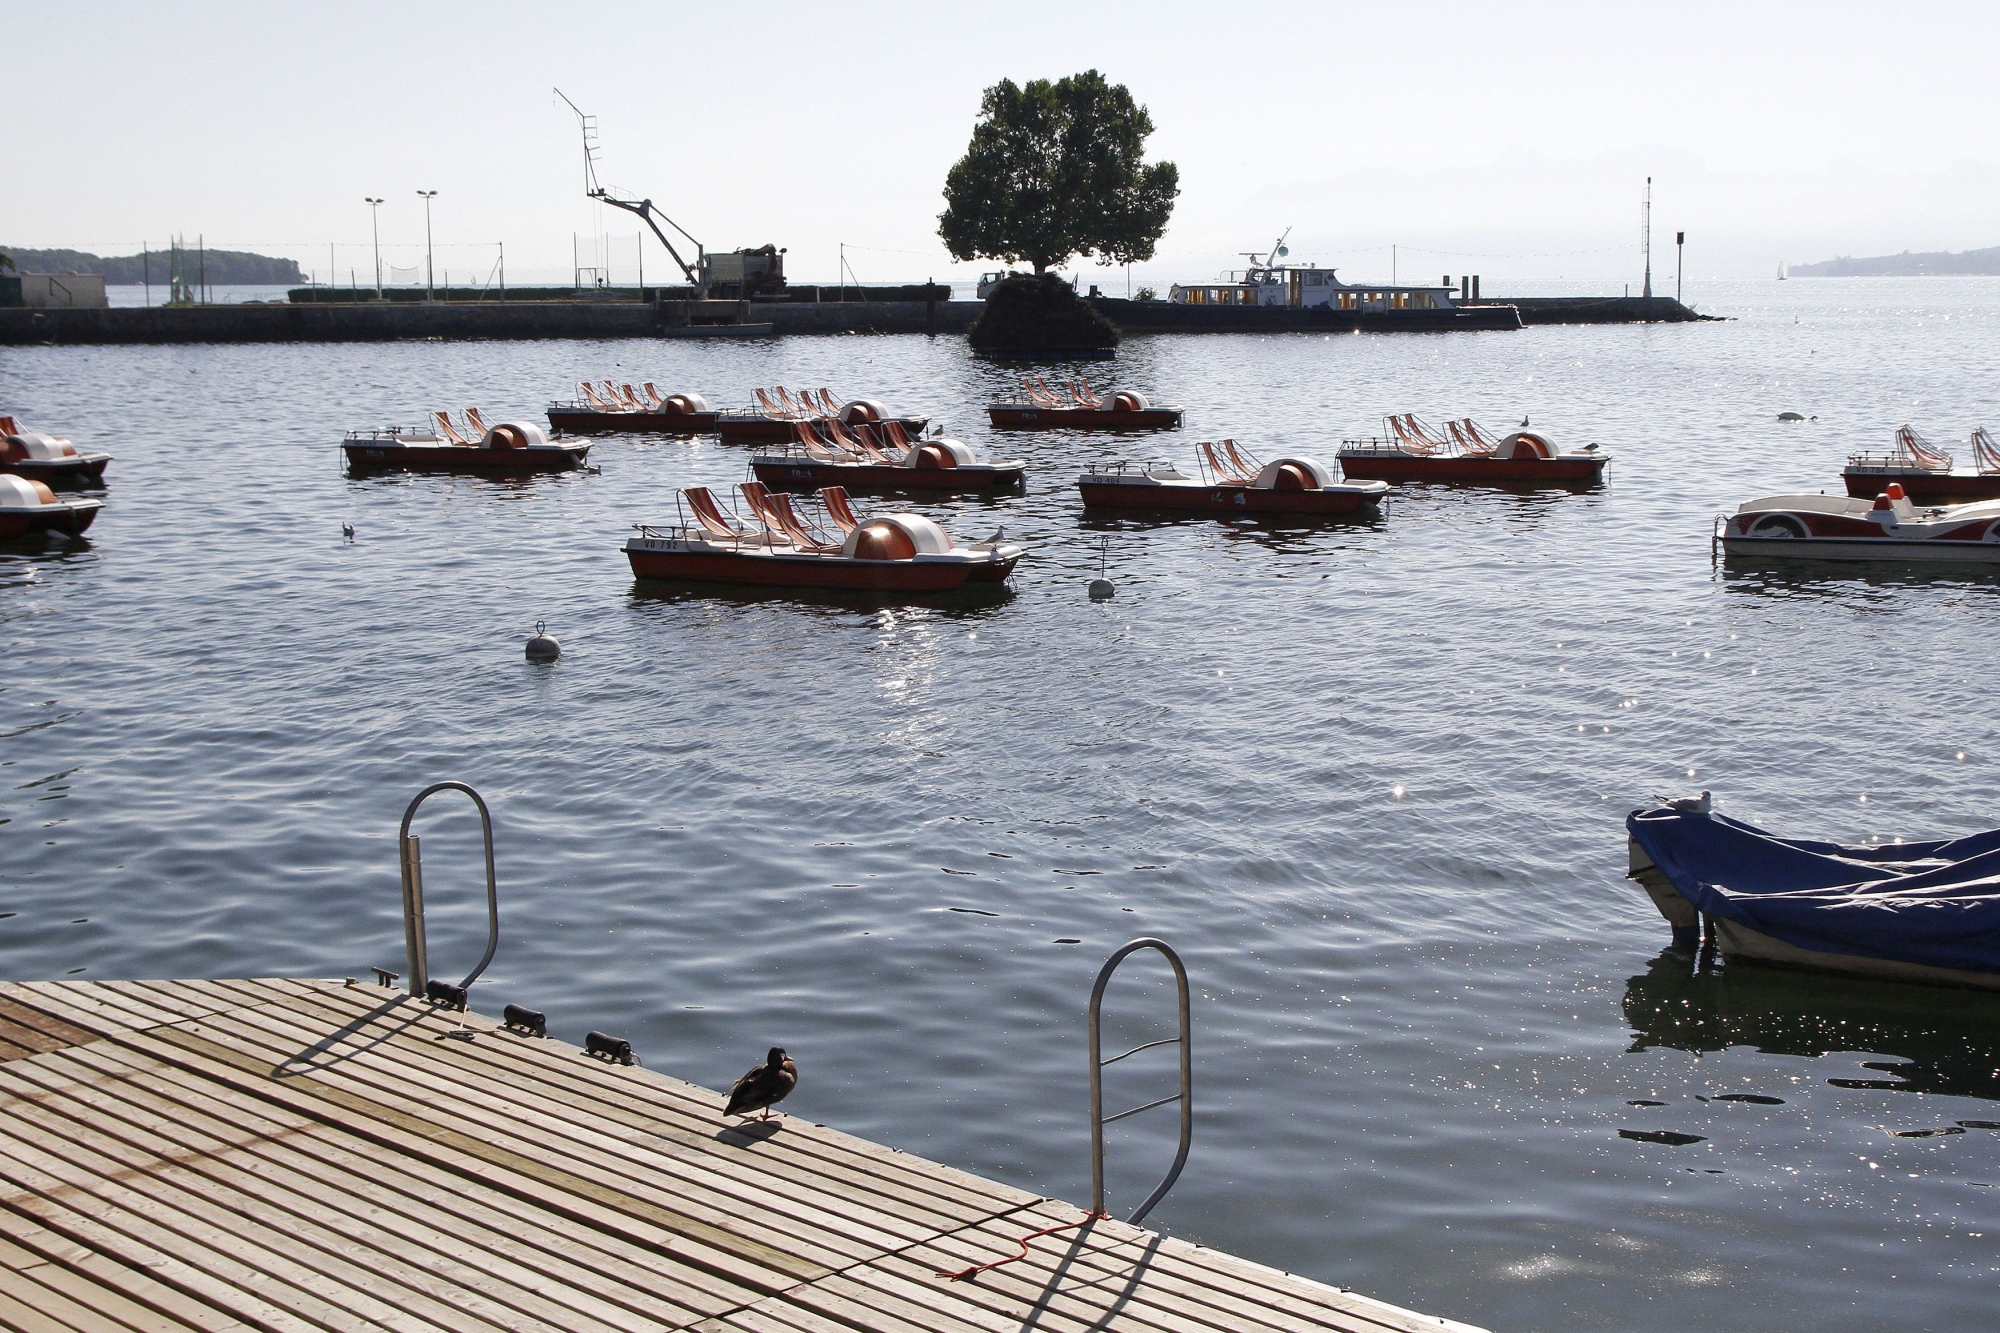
[1466, 453]
[1926, 473]
[1231, 481]
[509, 447]
[1267, 282]
[778, 547]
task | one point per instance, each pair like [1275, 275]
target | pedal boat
[28, 505]
[775, 412]
[605, 410]
[509, 447]
[1468, 455]
[1925, 473]
[1232, 482]
[47, 458]
[855, 460]
[1919, 912]
[1076, 406]
[1838, 527]
[780, 548]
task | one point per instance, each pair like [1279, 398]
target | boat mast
[1258, 261]
[641, 207]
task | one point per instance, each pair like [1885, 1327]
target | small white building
[52, 291]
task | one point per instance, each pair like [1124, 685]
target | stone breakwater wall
[492, 319]
[369, 322]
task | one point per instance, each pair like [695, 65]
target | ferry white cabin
[1306, 286]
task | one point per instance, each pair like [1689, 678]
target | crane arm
[642, 208]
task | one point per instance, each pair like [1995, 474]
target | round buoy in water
[543, 647]
[1101, 590]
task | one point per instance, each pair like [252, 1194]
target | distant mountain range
[224, 268]
[1906, 265]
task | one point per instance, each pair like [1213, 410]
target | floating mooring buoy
[1101, 588]
[543, 647]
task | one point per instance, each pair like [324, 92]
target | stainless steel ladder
[416, 949]
[1185, 1096]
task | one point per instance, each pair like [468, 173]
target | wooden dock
[319, 1155]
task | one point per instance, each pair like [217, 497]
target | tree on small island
[1054, 170]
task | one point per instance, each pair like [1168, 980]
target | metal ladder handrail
[1185, 1096]
[416, 947]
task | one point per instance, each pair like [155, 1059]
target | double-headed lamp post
[375, 221]
[427, 196]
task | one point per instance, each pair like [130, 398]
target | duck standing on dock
[764, 1086]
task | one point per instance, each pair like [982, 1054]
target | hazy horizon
[1510, 143]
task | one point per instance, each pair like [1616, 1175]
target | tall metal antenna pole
[1646, 233]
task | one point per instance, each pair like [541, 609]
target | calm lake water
[1369, 779]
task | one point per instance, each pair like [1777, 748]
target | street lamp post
[427, 196]
[375, 221]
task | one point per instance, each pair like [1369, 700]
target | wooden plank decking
[311, 1155]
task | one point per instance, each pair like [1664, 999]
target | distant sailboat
[1781, 270]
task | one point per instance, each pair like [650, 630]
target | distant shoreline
[1932, 264]
[218, 268]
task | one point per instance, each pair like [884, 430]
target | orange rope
[1085, 1220]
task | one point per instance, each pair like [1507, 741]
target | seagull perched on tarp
[1694, 805]
[764, 1086]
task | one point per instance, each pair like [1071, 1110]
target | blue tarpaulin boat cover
[1936, 903]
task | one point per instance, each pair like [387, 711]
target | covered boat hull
[763, 568]
[1741, 943]
[804, 473]
[65, 516]
[1923, 487]
[740, 425]
[1021, 416]
[1472, 470]
[372, 456]
[584, 421]
[83, 470]
[1918, 911]
[1196, 498]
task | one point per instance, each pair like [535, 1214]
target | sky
[1511, 140]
